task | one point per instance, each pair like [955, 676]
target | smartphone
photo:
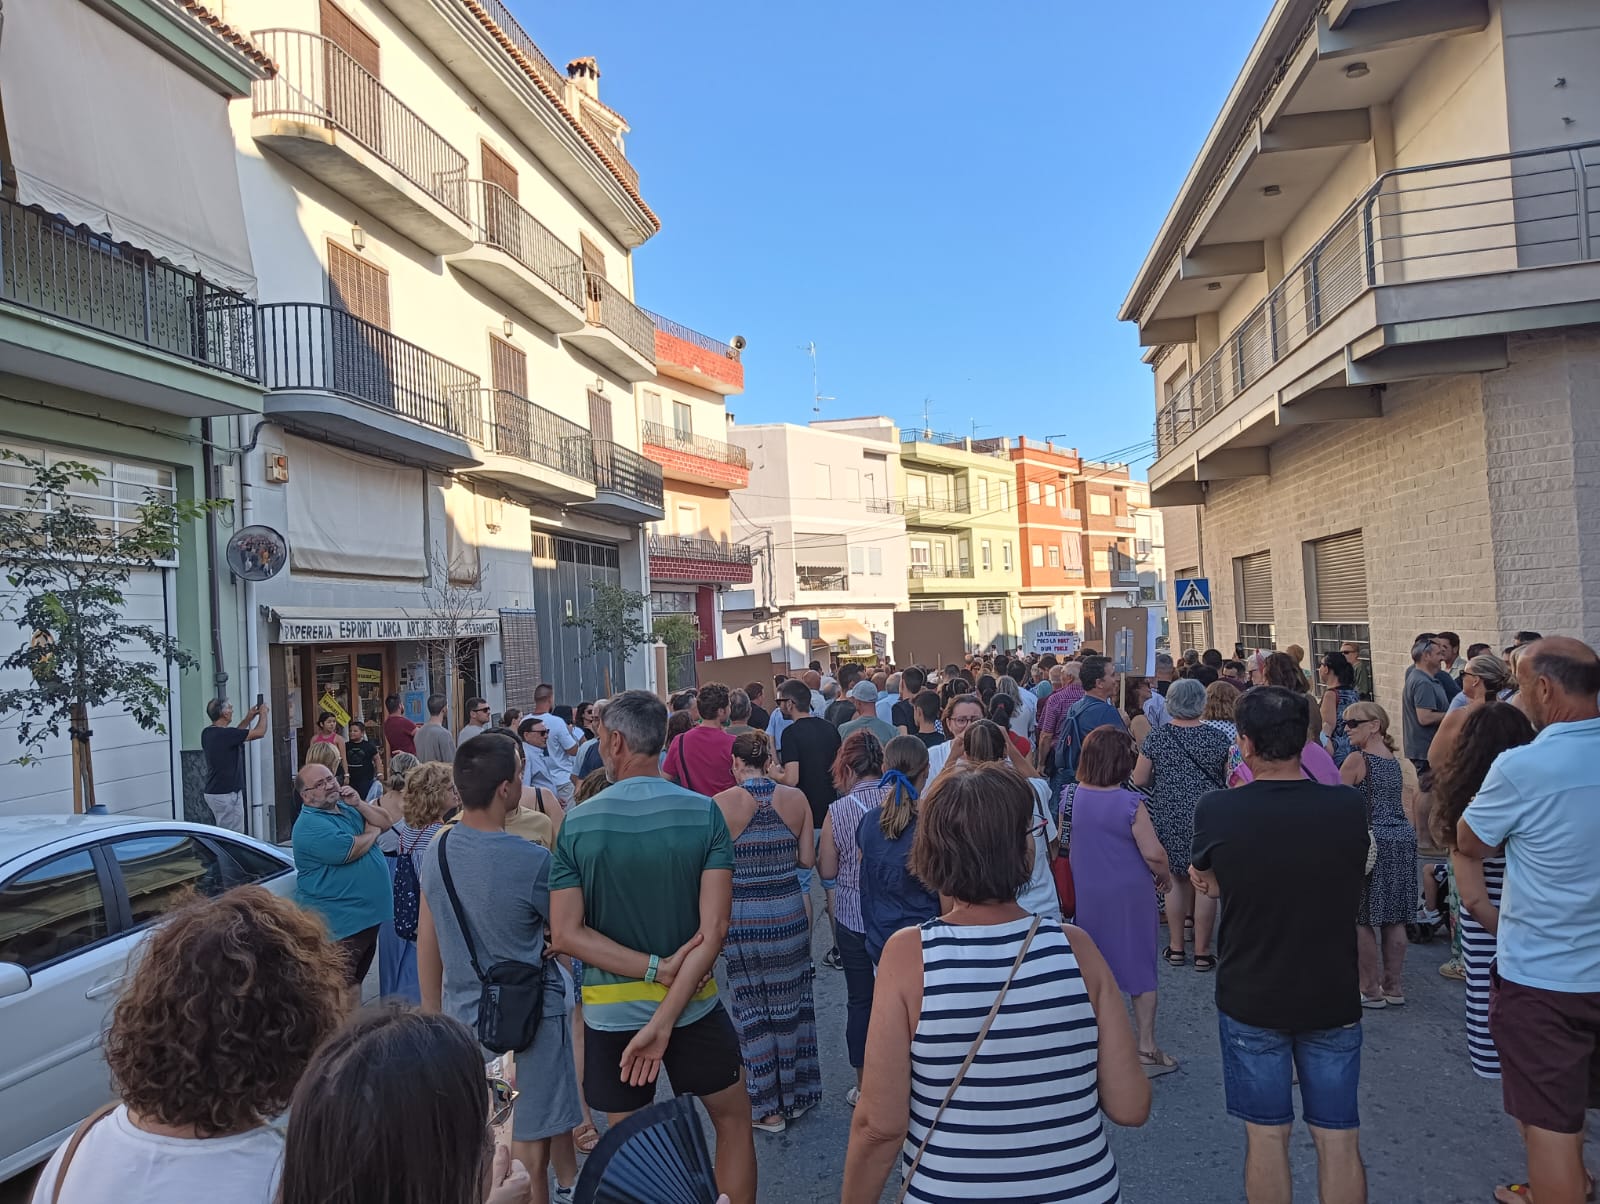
[261, 700]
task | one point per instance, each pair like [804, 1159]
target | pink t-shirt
[702, 760]
[1314, 760]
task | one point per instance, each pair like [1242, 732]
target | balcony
[687, 457]
[1425, 274]
[517, 259]
[822, 578]
[938, 512]
[1072, 514]
[627, 487]
[1126, 521]
[330, 117]
[884, 505]
[336, 375]
[83, 312]
[695, 358]
[940, 572]
[535, 450]
[924, 580]
[1126, 577]
[608, 146]
[683, 558]
[616, 333]
[485, 47]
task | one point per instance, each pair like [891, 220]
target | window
[852, 484]
[159, 872]
[824, 480]
[52, 910]
[1005, 556]
[1336, 570]
[1055, 557]
[920, 555]
[1005, 496]
[875, 561]
[985, 555]
[115, 500]
[858, 560]
[1102, 560]
[964, 556]
[917, 491]
[1033, 493]
[1252, 577]
[1141, 549]
[688, 519]
[1050, 497]
[252, 864]
[652, 407]
[682, 420]
[1099, 503]
[983, 494]
[1038, 556]
[1072, 554]
[358, 286]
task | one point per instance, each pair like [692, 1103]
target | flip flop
[585, 1137]
[1157, 1062]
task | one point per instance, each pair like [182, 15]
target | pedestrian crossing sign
[1194, 593]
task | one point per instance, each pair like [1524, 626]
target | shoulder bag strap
[455, 905]
[78, 1134]
[972, 1053]
[1193, 761]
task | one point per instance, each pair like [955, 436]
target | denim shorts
[1258, 1066]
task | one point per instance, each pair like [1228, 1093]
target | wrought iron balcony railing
[921, 572]
[830, 577]
[608, 145]
[499, 221]
[518, 427]
[315, 347]
[691, 336]
[610, 309]
[885, 505]
[699, 549]
[618, 469]
[659, 435]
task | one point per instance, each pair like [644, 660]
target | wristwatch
[655, 964]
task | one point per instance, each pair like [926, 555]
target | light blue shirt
[1542, 801]
[886, 707]
[775, 725]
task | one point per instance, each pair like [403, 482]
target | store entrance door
[349, 681]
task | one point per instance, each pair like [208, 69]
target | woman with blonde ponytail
[891, 896]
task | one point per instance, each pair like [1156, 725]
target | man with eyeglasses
[479, 719]
[540, 768]
[1351, 651]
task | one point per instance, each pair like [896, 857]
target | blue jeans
[1258, 1066]
[858, 984]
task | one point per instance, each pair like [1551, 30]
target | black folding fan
[656, 1156]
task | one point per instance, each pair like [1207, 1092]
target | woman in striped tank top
[997, 1037]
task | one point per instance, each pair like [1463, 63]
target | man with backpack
[1094, 709]
[481, 946]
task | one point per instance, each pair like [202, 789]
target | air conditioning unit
[760, 613]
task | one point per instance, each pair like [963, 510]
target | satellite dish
[257, 553]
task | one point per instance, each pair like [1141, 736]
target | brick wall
[713, 365]
[675, 463]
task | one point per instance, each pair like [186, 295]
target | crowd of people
[568, 902]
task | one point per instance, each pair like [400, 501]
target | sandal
[1174, 957]
[1157, 1062]
[774, 1124]
[1204, 963]
[1521, 1193]
[585, 1137]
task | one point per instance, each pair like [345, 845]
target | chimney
[585, 74]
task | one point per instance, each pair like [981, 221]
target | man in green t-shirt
[641, 889]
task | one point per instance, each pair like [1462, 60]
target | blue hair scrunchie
[895, 778]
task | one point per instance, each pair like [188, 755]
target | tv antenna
[817, 397]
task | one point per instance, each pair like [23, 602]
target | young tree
[681, 635]
[67, 564]
[452, 602]
[614, 620]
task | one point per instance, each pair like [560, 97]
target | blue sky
[950, 200]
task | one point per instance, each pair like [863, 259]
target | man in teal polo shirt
[641, 888]
[342, 875]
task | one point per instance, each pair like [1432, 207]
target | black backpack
[407, 891]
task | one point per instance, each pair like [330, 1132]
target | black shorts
[358, 949]
[702, 1059]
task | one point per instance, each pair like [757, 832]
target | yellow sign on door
[331, 704]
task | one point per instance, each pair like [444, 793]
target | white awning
[109, 134]
[361, 625]
[851, 631]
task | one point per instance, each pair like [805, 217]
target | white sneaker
[562, 1195]
[853, 1096]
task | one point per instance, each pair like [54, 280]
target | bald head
[1558, 681]
[812, 678]
[316, 784]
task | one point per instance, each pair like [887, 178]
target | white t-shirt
[562, 742]
[1022, 719]
[937, 756]
[117, 1161]
[1039, 896]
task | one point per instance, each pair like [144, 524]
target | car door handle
[101, 989]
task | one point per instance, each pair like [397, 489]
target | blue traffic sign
[1194, 593]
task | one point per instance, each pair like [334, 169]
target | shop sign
[354, 631]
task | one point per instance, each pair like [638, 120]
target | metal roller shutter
[1255, 595]
[1340, 568]
[519, 650]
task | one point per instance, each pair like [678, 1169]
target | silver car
[78, 893]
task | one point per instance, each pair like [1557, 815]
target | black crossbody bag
[511, 1000]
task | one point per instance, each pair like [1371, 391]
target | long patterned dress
[769, 966]
[1391, 894]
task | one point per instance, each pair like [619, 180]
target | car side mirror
[14, 980]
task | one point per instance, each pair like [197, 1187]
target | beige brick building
[1373, 320]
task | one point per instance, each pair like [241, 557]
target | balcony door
[594, 274]
[500, 197]
[350, 77]
[358, 291]
[508, 376]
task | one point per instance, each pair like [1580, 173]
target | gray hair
[893, 683]
[1007, 685]
[1191, 656]
[1421, 647]
[1073, 670]
[641, 717]
[1163, 661]
[830, 689]
[738, 706]
[1186, 698]
[215, 707]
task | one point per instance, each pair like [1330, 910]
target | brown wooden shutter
[508, 367]
[358, 286]
[594, 259]
[496, 170]
[599, 417]
[344, 33]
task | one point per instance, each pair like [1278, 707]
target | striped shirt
[846, 814]
[1025, 1123]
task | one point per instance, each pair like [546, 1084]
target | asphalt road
[1432, 1132]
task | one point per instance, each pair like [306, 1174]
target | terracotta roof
[226, 32]
[528, 69]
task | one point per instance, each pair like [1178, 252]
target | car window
[251, 864]
[160, 872]
[51, 910]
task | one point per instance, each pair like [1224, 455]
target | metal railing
[71, 273]
[940, 571]
[1435, 221]
[515, 426]
[830, 577]
[692, 548]
[939, 505]
[885, 505]
[659, 435]
[1072, 514]
[608, 145]
[311, 346]
[499, 221]
[689, 335]
[1127, 576]
[317, 80]
[617, 469]
[609, 308]
[518, 37]
[1126, 520]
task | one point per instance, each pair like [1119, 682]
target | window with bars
[114, 501]
[1055, 556]
[1253, 588]
[1336, 586]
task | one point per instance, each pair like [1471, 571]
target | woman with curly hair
[230, 999]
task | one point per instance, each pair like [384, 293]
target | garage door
[991, 622]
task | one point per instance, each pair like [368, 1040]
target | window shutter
[1255, 600]
[349, 37]
[1340, 567]
[497, 170]
[508, 367]
[519, 648]
[357, 286]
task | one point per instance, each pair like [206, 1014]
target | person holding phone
[223, 745]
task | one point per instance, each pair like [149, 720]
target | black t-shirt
[840, 711]
[813, 743]
[759, 717]
[359, 757]
[903, 714]
[224, 760]
[931, 739]
[1290, 859]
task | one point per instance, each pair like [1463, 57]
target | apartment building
[824, 519]
[1150, 553]
[1370, 315]
[127, 334]
[694, 560]
[1050, 528]
[1102, 493]
[962, 533]
[443, 224]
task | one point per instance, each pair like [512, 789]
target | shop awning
[360, 625]
[833, 631]
[111, 135]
